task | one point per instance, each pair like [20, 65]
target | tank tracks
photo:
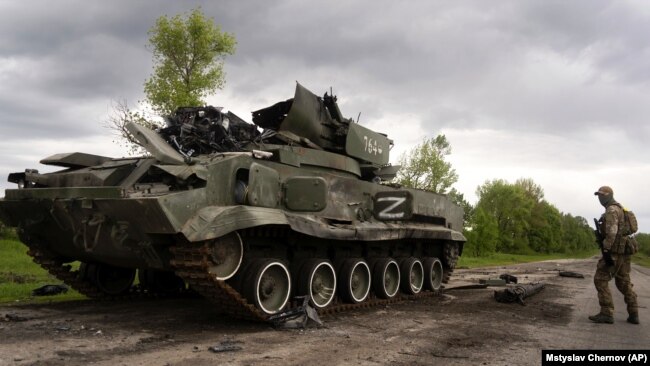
[65, 273]
[80, 283]
[192, 262]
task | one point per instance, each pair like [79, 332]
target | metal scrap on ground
[473, 286]
[493, 281]
[518, 293]
[571, 274]
[226, 346]
[14, 318]
[299, 317]
[508, 278]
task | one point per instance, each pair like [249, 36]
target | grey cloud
[612, 33]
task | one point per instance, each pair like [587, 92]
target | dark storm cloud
[42, 27]
[457, 64]
[420, 53]
[77, 49]
[57, 61]
[616, 31]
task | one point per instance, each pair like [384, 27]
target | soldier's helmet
[604, 190]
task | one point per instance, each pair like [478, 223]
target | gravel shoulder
[460, 327]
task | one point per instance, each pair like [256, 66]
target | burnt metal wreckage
[249, 219]
[518, 293]
[508, 278]
[297, 317]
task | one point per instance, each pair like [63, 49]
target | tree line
[515, 218]
[507, 217]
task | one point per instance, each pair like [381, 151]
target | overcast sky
[556, 91]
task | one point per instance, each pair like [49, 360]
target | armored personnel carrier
[248, 216]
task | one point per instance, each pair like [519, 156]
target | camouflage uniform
[611, 221]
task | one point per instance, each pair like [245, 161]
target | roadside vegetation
[510, 222]
[642, 258]
[19, 275]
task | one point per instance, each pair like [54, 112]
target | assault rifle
[607, 256]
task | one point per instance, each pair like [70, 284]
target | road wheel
[432, 274]
[413, 273]
[267, 285]
[111, 280]
[317, 279]
[385, 277]
[354, 280]
[226, 254]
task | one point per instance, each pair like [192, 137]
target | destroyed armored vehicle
[249, 216]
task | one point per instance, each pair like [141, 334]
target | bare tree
[117, 121]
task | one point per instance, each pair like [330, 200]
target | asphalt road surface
[461, 327]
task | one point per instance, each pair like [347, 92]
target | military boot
[633, 318]
[602, 318]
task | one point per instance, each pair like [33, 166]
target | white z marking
[386, 213]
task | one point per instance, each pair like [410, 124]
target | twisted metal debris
[518, 293]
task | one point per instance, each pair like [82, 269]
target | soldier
[614, 263]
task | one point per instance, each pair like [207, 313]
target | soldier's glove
[608, 258]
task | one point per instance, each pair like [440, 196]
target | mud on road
[460, 327]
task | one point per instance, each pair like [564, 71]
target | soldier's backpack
[630, 225]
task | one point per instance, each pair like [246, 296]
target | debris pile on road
[492, 281]
[571, 274]
[508, 278]
[300, 317]
[14, 318]
[226, 346]
[49, 290]
[518, 293]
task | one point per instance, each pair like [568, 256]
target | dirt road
[461, 327]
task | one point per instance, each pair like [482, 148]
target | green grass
[19, 276]
[641, 259]
[500, 259]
